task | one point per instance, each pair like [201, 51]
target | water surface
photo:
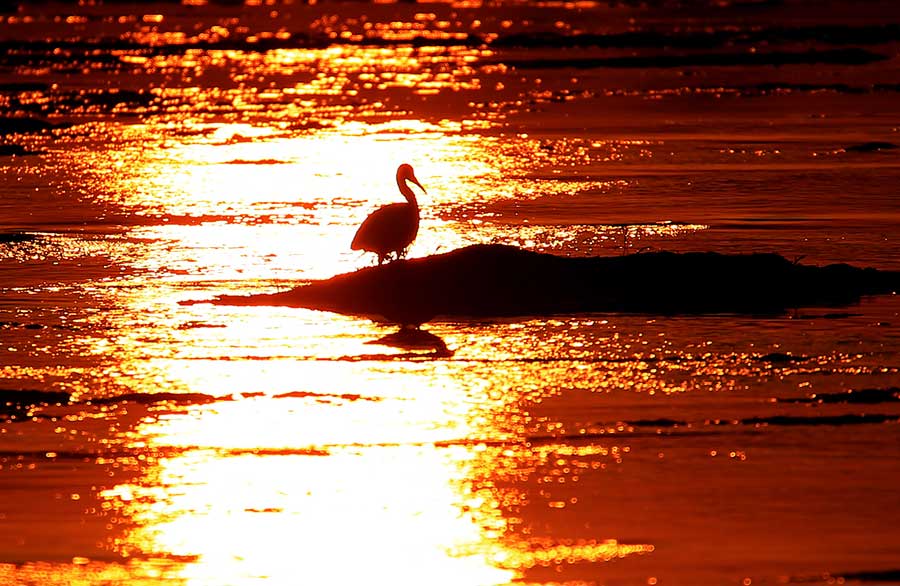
[202, 150]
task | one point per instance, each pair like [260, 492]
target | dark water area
[157, 156]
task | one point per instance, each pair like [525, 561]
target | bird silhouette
[391, 228]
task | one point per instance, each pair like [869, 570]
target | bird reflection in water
[416, 342]
[392, 228]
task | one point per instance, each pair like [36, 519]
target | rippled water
[195, 150]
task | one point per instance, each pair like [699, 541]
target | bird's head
[405, 173]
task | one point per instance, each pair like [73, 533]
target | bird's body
[392, 228]
[388, 229]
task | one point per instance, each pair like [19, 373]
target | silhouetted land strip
[849, 56]
[504, 281]
[705, 39]
[775, 420]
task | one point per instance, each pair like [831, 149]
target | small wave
[53, 100]
[203, 398]
[95, 456]
[772, 420]
[152, 398]
[394, 357]
[684, 427]
[866, 576]
[256, 162]
[26, 125]
[834, 420]
[781, 358]
[342, 396]
[16, 237]
[860, 397]
[32, 397]
[16, 87]
[882, 576]
[661, 422]
[17, 404]
[838, 88]
[16, 150]
[271, 451]
[195, 325]
[49, 455]
[35, 326]
[871, 147]
[834, 315]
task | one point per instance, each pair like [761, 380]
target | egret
[392, 228]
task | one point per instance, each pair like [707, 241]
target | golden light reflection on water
[295, 446]
[315, 87]
[334, 519]
[336, 491]
[312, 453]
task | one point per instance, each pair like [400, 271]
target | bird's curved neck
[407, 191]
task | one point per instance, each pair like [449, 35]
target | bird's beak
[416, 181]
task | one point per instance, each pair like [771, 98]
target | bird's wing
[384, 230]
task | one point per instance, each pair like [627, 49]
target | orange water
[294, 446]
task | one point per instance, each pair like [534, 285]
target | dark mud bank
[504, 281]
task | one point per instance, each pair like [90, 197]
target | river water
[195, 150]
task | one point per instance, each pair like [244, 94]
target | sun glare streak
[389, 513]
[373, 484]
[404, 479]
